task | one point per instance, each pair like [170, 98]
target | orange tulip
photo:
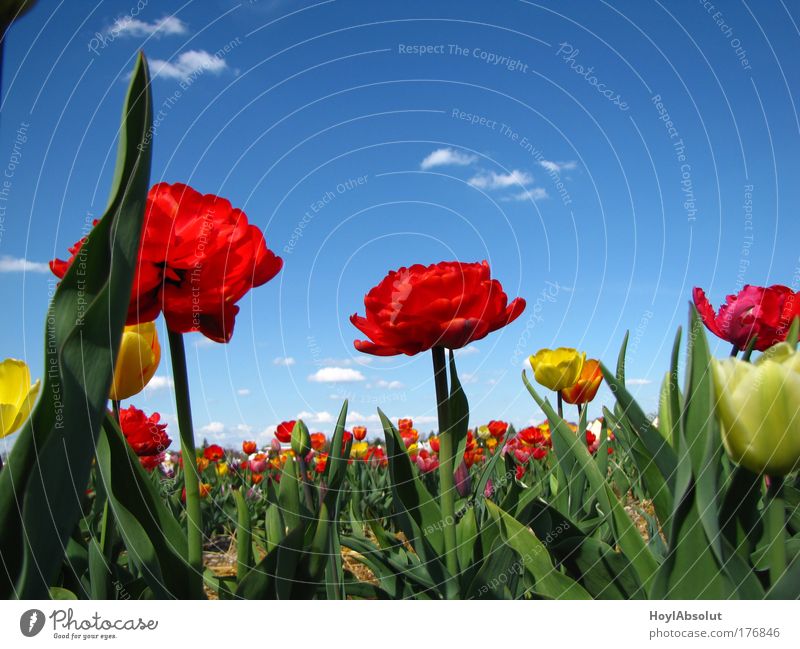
[588, 383]
[317, 441]
[248, 448]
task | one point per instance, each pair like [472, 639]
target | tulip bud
[137, 360]
[758, 405]
[301, 440]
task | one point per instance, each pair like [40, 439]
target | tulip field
[101, 499]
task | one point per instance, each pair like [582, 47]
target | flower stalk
[194, 522]
[447, 488]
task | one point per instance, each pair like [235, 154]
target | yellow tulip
[758, 405]
[137, 361]
[17, 395]
[359, 450]
[557, 369]
[484, 433]
[222, 469]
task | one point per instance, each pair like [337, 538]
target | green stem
[560, 401]
[447, 487]
[735, 351]
[191, 477]
[115, 409]
[776, 529]
[301, 461]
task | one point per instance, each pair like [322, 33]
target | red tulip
[317, 441]
[448, 304]
[258, 464]
[198, 256]
[213, 453]
[248, 448]
[284, 431]
[146, 436]
[359, 432]
[755, 311]
[497, 428]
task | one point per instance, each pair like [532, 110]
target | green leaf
[151, 533]
[535, 558]
[48, 469]
[410, 494]
[620, 376]
[244, 536]
[457, 413]
[625, 532]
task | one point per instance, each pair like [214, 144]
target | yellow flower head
[484, 433]
[17, 395]
[222, 469]
[358, 450]
[137, 360]
[557, 369]
[758, 405]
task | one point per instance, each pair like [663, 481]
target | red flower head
[284, 431]
[448, 304]
[359, 432]
[497, 429]
[258, 464]
[755, 311]
[320, 462]
[213, 453]
[146, 436]
[198, 257]
[405, 424]
[248, 448]
[433, 440]
[317, 441]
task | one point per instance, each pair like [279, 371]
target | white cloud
[638, 381]
[214, 427]
[447, 156]
[355, 417]
[188, 64]
[388, 385]
[129, 26]
[243, 392]
[244, 428]
[468, 377]
[558, 167]
[322, 417]
[286, 361]
[336, 375]
[494, 180]
[533, 194]
[21, 265]
[466, 351]
[160, 382]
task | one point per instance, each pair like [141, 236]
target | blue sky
[604, 157]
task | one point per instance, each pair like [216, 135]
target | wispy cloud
[466, 351]
[21, 265]
[322, 417]
[558, 167]
[447, 157]
[243, 392]
[187, 65]
[336, 375]
[133, 27]
[213, 428]
[388, 385]
[494, 180]
[532, 194]
[160, 382]
[286, 361]
[638, 381]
